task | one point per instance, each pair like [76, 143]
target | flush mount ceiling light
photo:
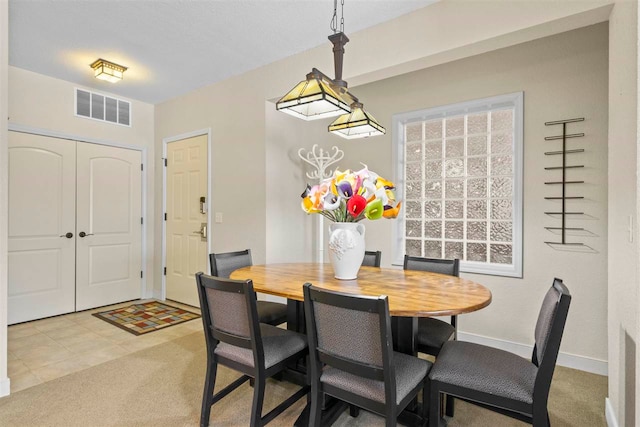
[319, 96]
[105, 70]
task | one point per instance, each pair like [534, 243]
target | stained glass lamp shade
[312, 99]
[356, 124]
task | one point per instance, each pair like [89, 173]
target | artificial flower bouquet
[351, 196]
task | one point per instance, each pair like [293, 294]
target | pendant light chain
[334, 18]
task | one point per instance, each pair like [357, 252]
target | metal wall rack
[564, 182]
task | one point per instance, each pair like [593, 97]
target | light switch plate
[218, 217]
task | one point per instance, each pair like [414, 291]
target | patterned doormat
[151, 316]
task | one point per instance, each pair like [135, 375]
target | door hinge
[165, 162]
[141, 274]
[165, 271]
[141, 220]
[141, 167]
[165, 216]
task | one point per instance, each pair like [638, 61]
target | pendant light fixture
[356, 124]
[313, 99]
[319, 96]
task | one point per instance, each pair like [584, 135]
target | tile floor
[43, 350]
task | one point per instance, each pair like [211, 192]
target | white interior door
[186, 246]
[42, 204]
[109, 256]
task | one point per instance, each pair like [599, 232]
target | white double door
[74, 226]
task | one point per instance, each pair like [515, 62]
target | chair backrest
[350, 333]
[229, 313]
[548, 335]
[372, 258]
[223, 264]
[434, 265]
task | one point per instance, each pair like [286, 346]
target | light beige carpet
[162, 386]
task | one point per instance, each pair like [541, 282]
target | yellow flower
[392, 212]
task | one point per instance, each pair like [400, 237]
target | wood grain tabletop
[411, 293]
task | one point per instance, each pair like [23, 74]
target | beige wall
[624, 297]
[235, 115]
[4, 112]
[289, 230]
[44, 102]
[41, 102]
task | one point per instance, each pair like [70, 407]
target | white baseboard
[569, 360]
[610, 414]
[5, 387]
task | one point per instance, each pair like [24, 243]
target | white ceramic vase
[346, 249]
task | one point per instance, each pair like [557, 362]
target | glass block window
[459, 173]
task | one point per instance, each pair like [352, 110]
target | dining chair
[501, 381]
[352, 359]
[223, 264]
[433, 333]
[236, 339]
[372, 258]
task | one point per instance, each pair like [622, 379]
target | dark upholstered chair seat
[410, 372]
[433, 333]
[273, 313]
[278, 345]
[485, 369]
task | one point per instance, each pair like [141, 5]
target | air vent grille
[101, 107]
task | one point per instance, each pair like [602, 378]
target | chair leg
[425, 400]
[449, 406]
[315, 413]
[541, 419]
[434, 406]
[354, 411]
[392, 419]
[258, 399]
[207, 395]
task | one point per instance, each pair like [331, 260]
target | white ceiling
[174, 46]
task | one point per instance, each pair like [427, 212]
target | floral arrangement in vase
[352, 196]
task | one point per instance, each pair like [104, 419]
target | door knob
[202, 232]
[68, 235]
[83, 234]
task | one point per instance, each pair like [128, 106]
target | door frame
[145, 292]
[165, 142]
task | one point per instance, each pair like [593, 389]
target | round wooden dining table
[411, 293]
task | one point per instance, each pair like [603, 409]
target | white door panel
[109, 257]
[186, 249]
[42, 176]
